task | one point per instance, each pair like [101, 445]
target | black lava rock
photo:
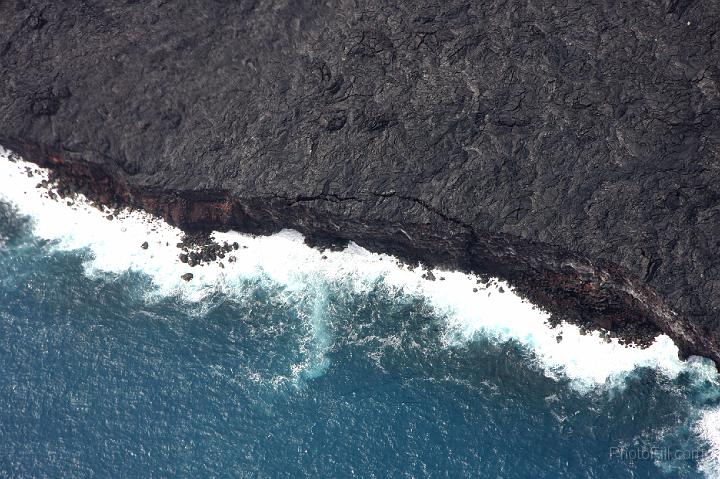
[187, 276]
[429, 276]
[145, 245]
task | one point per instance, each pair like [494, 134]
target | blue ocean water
[104, 375]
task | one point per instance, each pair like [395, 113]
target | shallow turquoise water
[101, 379]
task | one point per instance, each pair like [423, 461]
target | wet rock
[187, 276]
[231, 259]
[183, 258]
[145, 245]
[429, 276]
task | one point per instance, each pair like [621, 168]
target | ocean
[293, 362]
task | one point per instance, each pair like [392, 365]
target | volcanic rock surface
[572, 148]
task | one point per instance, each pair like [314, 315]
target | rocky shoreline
[595, 295]
[571, 150]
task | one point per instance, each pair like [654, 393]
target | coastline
[590, 364]
[578, 163]
[594, 295]
[332, 238]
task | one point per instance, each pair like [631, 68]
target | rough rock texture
[571, 147]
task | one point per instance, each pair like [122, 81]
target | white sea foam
[587, 360]
[708, 428]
